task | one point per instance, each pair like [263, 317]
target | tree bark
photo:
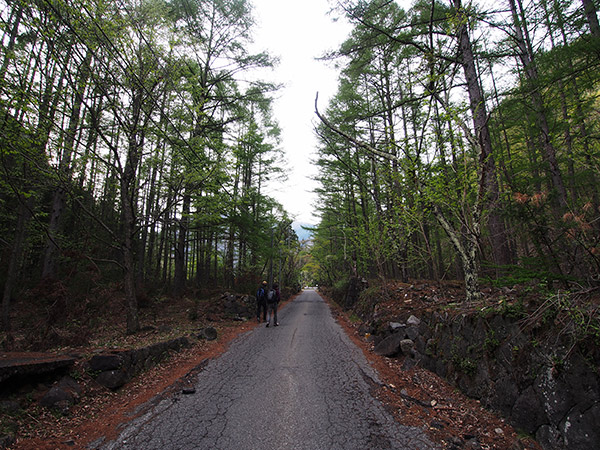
[562, 89]
[64, 171]
[127, 246]
[128, 202]
[133, 323]
[13, 264]
[489, 181]
[526, 56]
[592, 17]
[581, 119]
[466, 245]
[180, 276]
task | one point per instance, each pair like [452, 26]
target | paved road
[302, 385]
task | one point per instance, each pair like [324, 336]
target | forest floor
[415, 397]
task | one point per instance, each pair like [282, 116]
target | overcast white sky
[297, 32]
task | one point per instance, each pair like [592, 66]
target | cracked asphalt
[302, 385]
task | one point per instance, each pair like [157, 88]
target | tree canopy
[136, 150]
[460, 144]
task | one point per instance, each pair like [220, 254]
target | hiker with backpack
[261, 302]
[273, 298]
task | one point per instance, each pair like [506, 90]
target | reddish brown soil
[416, 397]
[101, 412]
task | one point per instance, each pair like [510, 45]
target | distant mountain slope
[301, 232]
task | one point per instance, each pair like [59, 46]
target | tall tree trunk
[581, 118]
[128, 201]
[489, 183]
[64, 171]
[592, 17]
[210, 236]
[127, 247]
[163, 251]
[228, 266]
[161, 258]
[15, 20]
[203, 238]
[180, 276]
[93, 117]
[15, 259]
[214, 259]
[562, 89]
[228, 269]
[152, 209]
[526, 56]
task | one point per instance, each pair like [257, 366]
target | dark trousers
[261, 306]
[272, 313]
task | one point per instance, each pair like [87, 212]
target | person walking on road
[273, 298]
[261, 302]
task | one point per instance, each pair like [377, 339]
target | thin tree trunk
[581, 118]
[13, 264]
[64, 172]
[592, 17]
[526, 56]
[161, 253]
[200, 248]
[93, 118]
[15, 19]
[466, 247]
[180, 276]
[568, 140]
[216, 260]
[208, 256]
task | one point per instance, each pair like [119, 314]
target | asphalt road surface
[301, 385]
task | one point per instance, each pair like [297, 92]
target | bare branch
[356, 142]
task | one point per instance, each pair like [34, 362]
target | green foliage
[105, 107]
[76, 375]
[355, 319]
[468, 366]
[530, 270]
[432, 348]
[367, 300]
[462, 363]
[339, 290]
[512, 310]
[401, 170]
[582, 318]
[491, 342]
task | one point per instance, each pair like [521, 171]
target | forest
[136, 145]
[462, 144]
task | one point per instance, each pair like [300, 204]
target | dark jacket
[261, 295]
